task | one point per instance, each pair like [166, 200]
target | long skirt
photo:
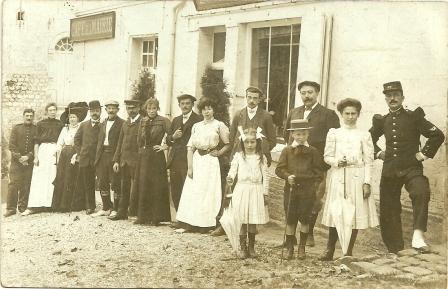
[201, 195]
[365, 209]
[67, 196]
[152, 185]
[41, 190]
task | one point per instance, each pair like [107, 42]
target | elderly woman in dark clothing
[65, 196]
[44, 171]
[151, 175]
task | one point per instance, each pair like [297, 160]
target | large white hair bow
[258, 134]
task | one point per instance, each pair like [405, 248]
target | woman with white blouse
[349, 152]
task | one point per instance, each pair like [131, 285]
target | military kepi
[392, 86]
[299, 124]
[94, 104]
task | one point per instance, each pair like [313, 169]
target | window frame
[219, 65]
[152, 54]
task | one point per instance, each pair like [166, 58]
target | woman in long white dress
[44, 170]
[349, 151]
[201, 195]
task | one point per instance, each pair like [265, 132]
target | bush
[214, 87]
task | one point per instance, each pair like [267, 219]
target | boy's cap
[299, 124]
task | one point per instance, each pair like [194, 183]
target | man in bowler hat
[402, 165]
[21, 145]
[125, 161]
[321, 119]
[107, 144]
[181, 132]
[85, 143]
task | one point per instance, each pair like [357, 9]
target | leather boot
[352, 243]
[301, 251]
[105, 198]
[116, 204]
[252, 253]
[244, 254]
[331, 244]
[289, 247]
[310, 240]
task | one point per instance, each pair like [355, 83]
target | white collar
[252, 110]
[296, 144]
[187, 116]
[135, 118]
[314, 105]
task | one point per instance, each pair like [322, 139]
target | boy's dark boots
[289, 247]
[331, 244]
[301, 251]
[244, 254]
[351, 244]
[252, 253]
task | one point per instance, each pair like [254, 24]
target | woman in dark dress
[44, 170]
[151, 174]
[65, 196]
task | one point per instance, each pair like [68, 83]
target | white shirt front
[296, 144]
[109, 124]
[251, 112]
[185, 117]
[307, 112]
[135, 118]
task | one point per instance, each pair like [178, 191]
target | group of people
[58, 164]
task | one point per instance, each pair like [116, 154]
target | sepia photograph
[224, 144]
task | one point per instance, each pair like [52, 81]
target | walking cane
[286, 223]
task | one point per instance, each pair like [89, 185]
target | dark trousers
[87, 181]
[178, 174]
[127, 178]
[390, 206]
[19, 188]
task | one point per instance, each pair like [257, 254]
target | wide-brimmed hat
[94, 104]
[78, 108]
[392, 86]
[299, 124]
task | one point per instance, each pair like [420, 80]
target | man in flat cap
[107, 143]
[125, 161]
[85, 143]
[251, 116]
[21, 145]
[321, 119]
[402, 165]
[181, 132]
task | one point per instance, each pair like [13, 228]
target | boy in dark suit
[177, 160]
[85, 143]
[107, 144]
[321, 119]
[301, 166]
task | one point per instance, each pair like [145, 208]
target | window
[219, 45]
[275, 55]
[149, 53]
[21, 15]
[64, 45]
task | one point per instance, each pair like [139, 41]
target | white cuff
[378, 154]
[422, 156]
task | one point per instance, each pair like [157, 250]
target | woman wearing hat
[65, 198]
[349, 152]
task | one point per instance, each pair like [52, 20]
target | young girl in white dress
[349, 151]
[249, 167]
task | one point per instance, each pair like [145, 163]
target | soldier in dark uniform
[125, 160]
[402, 165]
[107, 144]
[321, 119]
[181, 132]
[85, 141]
[21, 145]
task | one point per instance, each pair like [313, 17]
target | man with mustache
[402, 165]
[321, 119]
[85, 143]
[21, 145]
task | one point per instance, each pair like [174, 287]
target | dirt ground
[76, 250]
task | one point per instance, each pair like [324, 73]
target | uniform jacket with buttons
[127, 148]
[321, 119]
[21, 143]
[85, 143]
[114, 134]
[402, 130]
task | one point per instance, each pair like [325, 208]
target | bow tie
[95, 121]
[252, 110]
[185, 116]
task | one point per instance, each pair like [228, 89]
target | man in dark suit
[125, 160]
[85, 143]
[402, 165]
[321, 119]
[177, 160]
[107, 144]
[252, 116]
[21, 145]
